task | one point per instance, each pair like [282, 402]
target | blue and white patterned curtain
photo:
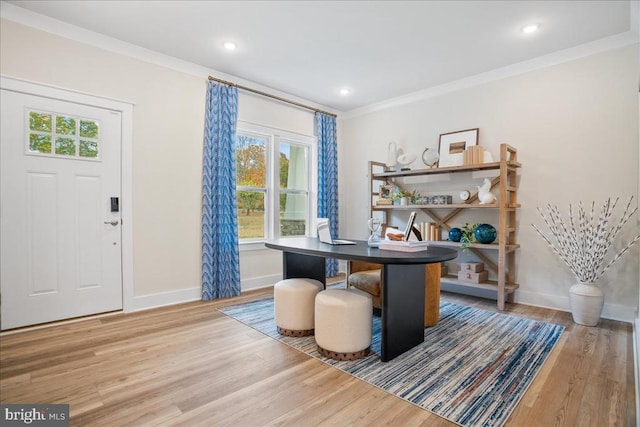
[328, 178]
[220, 253]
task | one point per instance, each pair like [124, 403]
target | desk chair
[367, 277]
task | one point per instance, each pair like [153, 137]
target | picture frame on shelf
[385, 195]
[453, 144]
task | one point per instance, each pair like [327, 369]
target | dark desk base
[304, 266]
[402, 308]
[403, 299]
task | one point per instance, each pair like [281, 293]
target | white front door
[60, 219]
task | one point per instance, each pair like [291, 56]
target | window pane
[39, 143]
[88, 148]
[251, 161]
[65, 125]
[293, 166]
[250, 215]
[293, 214]
[41, 122]
[89, 129]
[66, 146]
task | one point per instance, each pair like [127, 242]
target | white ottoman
[294, 301]
[343, 323]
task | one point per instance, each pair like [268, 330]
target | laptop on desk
[324, 234]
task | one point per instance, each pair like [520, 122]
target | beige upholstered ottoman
[294, 301]
[343, 323]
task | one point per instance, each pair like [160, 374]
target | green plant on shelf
[410, 195]
[468, 237]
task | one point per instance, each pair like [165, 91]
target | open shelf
[443, 215]
[492, 246]
[443, 206]
[490, 285]
[451, 169]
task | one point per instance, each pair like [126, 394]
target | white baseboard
[260, 282]
[146, 302]
[617, 312]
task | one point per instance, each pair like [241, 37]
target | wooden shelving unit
[504, 186]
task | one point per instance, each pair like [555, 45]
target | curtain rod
[268, 95]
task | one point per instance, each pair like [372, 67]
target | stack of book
[473, 155]
[408, 246]
[429, 231]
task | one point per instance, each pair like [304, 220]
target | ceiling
[380, 50]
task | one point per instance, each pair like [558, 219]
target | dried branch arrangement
[583, 242]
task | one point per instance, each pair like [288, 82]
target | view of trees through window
[254, 195]
[66, 135]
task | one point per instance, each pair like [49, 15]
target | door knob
[113, 222]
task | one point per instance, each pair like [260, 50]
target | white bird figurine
[484, 192]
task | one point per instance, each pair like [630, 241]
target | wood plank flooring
[190, 365]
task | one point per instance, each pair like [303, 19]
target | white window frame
[274, 137]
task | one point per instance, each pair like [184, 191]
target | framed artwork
[385, 195]
[452, 146]
[386, 192]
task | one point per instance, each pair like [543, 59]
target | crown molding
[63, 29]
[609, 43]
[44, 23]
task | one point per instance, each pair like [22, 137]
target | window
[275, 182]
[61, 135]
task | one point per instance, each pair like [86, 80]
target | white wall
[575, 126]
[167, 152]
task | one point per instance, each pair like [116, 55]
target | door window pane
[40, 122]
[251, 214]
[88, 129]
[65, 125]
[88, 148]
[65, 146]
[39, 143]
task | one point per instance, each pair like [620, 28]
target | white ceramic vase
[586, 301]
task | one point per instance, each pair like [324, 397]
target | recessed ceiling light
[530, 29]
[230, 45]
[344, 91]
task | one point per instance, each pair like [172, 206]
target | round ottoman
[343, 323]
[294, 301]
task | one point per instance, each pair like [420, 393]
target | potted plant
[583, 242]
[405, 197]
[467, 235]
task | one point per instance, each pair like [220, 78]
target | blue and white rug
[472, 369]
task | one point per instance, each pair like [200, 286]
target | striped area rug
[472, 369]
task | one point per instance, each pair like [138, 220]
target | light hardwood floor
[189, 365]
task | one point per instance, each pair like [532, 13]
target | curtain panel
[328, 178]
[220, 251]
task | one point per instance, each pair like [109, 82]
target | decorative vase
[455, 234]
[392, 155]
[485, 233]
[404, 201]
[586, 301]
